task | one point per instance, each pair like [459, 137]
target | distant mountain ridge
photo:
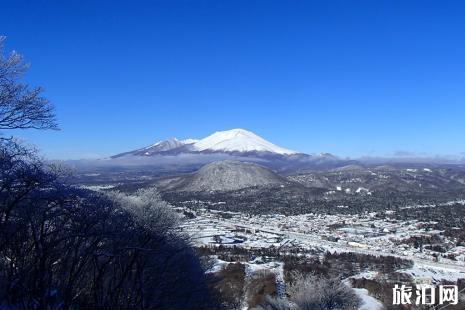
[229, 141]
[175, 155]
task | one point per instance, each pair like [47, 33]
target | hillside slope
[224, 176]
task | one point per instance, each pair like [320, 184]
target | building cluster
[361, 233]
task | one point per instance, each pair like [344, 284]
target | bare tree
[63, 247]
[260, 285]
[274, 303]
[148, 208]
[21, 107]
[310, 292]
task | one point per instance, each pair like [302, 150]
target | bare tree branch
[21, 107]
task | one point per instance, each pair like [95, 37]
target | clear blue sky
[347, 77]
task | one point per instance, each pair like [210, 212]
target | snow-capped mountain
[229, 141]
[238, 140]
[160, 147]
[235, 144]
[163, 146]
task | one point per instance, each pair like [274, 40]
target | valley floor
[364, 234]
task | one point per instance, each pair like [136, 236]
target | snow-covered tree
[310, 292]
[21, 106]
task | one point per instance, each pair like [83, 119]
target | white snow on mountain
[166, 145]
[230, 141]
[238, 140]
[189, 141]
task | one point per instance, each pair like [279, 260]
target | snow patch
[436, 274]
[368, 302]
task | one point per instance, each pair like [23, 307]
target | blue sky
[348, 77]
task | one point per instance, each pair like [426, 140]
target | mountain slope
[353, 179]
[165, 147]
[223, 176]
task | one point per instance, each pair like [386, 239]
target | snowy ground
[368, 302]
[435, 273]
[361, 234]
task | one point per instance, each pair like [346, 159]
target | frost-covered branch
[21, 107]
